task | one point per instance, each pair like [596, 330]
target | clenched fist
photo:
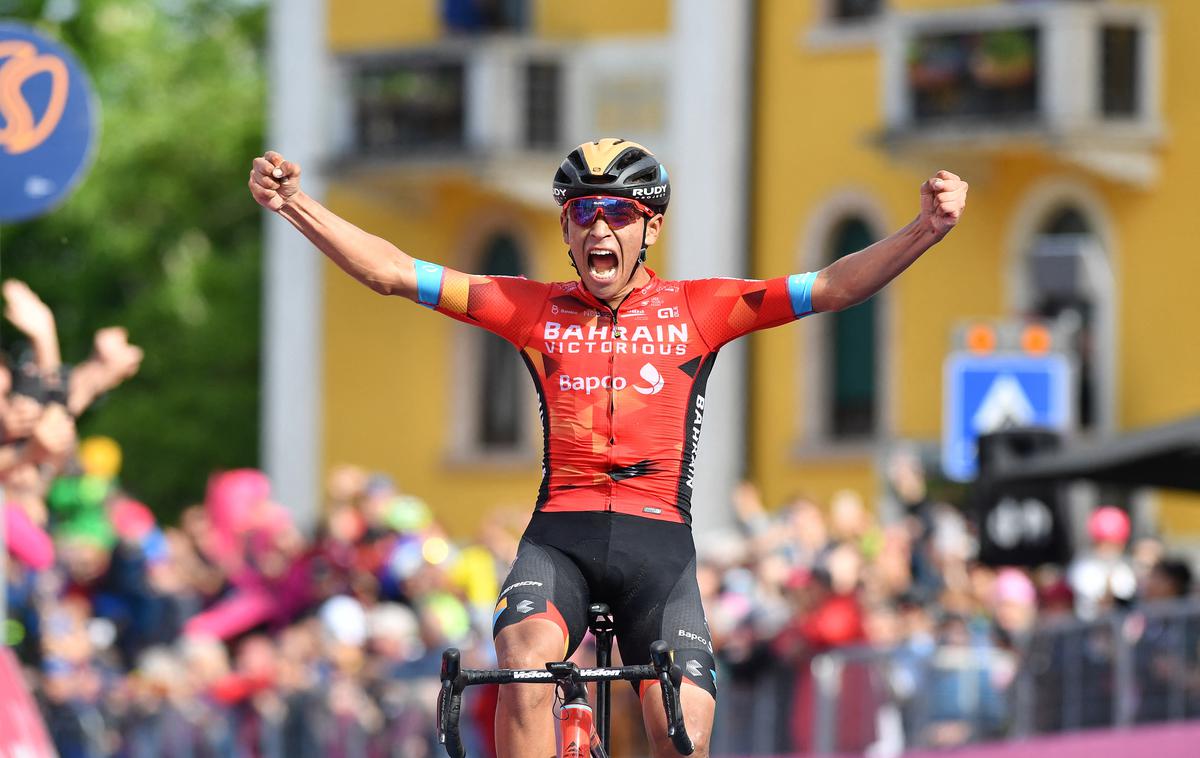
[274, 181]
[120, 359]
[943, 198]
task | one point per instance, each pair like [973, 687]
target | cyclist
[619, 358]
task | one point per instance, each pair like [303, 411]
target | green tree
[161, 237]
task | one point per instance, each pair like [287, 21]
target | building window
[408, 106]
[854, 10]
[484, 16]
[542, 99]
[1066, 277]
[502, 375]
[845, 358]
[987, 77]
[851, 357]
[1119, 75]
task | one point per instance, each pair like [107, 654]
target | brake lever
[670, 679]
[450, 704]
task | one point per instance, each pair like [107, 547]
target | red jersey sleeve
[725, 309]
[505, 305]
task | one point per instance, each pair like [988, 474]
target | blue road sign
[988, 393]
[47, 122]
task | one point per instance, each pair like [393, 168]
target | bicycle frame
[570, 678]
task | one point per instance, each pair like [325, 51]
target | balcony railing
[1081, 79]
[484, 103]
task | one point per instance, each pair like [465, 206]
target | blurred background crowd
[232, 632]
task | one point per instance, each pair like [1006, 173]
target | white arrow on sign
[1005, 405]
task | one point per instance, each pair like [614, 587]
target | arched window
[501, 379]
[1067, 276]
[851, 349]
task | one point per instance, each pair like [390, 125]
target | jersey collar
[634, 297]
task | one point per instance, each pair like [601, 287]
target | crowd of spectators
[931, 643]
[231, 633]
[234, 633]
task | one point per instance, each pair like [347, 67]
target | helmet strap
[642, 254]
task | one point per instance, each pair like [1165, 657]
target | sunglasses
[618, 212]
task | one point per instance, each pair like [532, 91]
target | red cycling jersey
[621, 391]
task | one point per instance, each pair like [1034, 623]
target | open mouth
[602, 264]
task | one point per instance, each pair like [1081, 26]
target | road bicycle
[583, 733]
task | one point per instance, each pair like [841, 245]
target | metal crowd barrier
[1135, 667]
[1130, 668]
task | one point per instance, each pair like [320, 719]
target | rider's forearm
[371, 260]
[852, 279]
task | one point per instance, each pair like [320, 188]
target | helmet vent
[644, 177]
[577, 160]
[628, 158]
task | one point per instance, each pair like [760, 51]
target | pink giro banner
[22, 734]
[1164, 741]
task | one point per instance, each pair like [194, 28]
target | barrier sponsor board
[1180, 740]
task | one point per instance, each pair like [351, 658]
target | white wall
[292, 302]
[710, 116]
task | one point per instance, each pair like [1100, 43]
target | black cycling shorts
[644, 569]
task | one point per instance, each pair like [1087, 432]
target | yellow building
[1079, 149]
[445, 125]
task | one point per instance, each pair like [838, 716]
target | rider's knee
[530, 645]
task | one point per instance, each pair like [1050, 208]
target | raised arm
[34, 318]
[113, 360]
[372, 260]
[852, 279]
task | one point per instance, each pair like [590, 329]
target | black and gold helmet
[614, 167]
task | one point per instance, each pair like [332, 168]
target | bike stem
[601, 623]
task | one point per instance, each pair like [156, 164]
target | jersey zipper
[612, 400]
[612, 407]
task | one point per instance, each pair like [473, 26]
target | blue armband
[800, 291]
[429, 283]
